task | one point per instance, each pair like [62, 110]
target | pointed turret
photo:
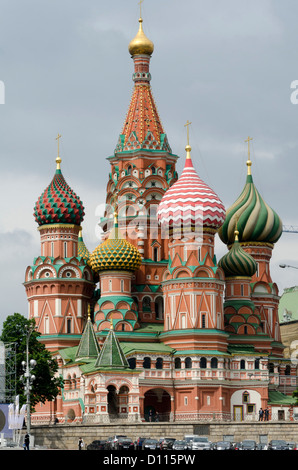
[88, 347]
[111, 355]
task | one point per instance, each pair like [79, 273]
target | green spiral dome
[255, 220]
[237, 262]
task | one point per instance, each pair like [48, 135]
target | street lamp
[287, 266]
[28, 378]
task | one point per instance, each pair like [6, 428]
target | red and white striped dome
[190, 202]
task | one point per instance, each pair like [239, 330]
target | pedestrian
[80, 443]
[267, 414]
[26, 442]
[150, 415]
[157, 417]
[261, 413]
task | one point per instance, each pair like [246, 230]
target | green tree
[46, 385]
[295, 395]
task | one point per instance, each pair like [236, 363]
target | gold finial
[236, 232]
[141, 44]
[89, 314]
[58, 159]
[111, 324]
[248, 163]
[188, 147]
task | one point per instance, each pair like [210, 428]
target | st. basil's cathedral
[150, 321]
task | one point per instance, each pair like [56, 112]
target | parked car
[248, 444]
[292, 446]
[189, 438]
[97, 445]
[262, 446]
[111, 441]
[278, 444]
[166, 443]
[139, 443]
[150, 444]
[180, 445]
[201, 443]
[222, 445]
[124, 443]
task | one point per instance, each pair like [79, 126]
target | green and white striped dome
[255, 220]
[237, 262]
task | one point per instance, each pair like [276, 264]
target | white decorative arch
[44, 268]
[69, 268]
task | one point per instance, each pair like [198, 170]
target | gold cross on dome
[248, 163]
[140, 3]
[187, 125]
[58, 159]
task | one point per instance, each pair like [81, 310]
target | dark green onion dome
[58, 204]
[115, 253]
[83, 251]
[255, 220]
[237, 262]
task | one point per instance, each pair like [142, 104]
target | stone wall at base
[65, 437]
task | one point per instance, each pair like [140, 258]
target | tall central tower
[142, 169]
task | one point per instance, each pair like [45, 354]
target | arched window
[203, 363]
[288, 370]
[257, 363]
[159, 363]
[147, 363]
[177, 363]
[159, 308]
[69, 325]
[129, 170]
[214, 363]
[188, 363]
[146, 304]
[122, 285]
[132, 362]
[242, 364]
[153, 169]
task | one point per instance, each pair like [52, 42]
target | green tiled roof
[279, 398]
[111, 355]
[88, 347]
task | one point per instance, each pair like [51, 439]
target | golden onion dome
[141, 44]
[115, 253]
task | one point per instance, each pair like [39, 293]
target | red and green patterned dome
[59, 204]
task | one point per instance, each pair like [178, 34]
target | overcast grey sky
[225, 66]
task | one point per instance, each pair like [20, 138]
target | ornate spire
[142, 128]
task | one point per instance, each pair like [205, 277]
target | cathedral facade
[150, 323]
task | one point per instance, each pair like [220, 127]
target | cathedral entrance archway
[157, 405]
